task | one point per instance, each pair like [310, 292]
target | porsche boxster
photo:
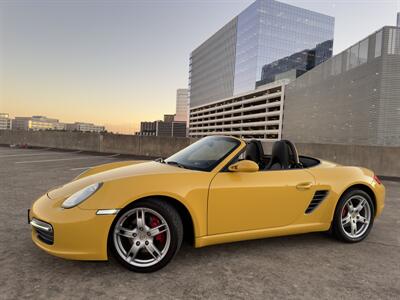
[217, 190]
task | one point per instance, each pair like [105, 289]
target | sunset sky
[117, 63]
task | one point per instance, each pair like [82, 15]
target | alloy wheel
[356, 216]
[142, 237]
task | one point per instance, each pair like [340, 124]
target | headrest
[293, 152]
[255, 152]
[284, 156]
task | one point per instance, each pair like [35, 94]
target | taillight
[378, 181]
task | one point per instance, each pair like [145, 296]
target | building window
[337, 64]
[363, 52]
[394, 41]
[357, 55]
[352, 57]
[378, 44]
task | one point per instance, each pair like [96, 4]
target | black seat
[284, 156]
[255, 152]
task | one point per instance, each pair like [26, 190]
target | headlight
[81, 195]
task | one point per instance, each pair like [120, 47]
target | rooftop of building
[252, 4]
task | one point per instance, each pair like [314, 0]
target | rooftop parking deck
[310, 266]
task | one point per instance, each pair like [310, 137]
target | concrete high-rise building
[353, 98]
[148, 128]
[233, 60]
[182, 105]
[169, 118]
[165, 128]
[5, 121]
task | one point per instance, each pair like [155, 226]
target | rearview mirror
[243, 166]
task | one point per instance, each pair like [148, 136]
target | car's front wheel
[354, 216]
[146, 236]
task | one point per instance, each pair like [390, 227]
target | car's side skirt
[259, 234]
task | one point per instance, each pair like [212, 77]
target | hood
[147, 168]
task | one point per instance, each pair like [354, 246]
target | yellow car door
[240, 201]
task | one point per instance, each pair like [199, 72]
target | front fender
[190, 189]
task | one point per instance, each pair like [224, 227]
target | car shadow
[190, 257]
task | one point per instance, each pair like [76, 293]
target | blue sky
[120, 62]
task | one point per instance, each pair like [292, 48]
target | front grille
[44, 236]
[319, 196]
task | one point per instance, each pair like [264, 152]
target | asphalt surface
[310, 266]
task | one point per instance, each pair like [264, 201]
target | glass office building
[232, 60]
[294, 65]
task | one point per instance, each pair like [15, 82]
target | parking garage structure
[255, 114]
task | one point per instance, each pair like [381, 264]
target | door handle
[304, 185]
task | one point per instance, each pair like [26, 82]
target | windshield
[205, 154]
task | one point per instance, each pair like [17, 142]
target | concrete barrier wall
[148, 146]
[52, 139]
[382, 160]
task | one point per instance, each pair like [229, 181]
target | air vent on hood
[319, 196]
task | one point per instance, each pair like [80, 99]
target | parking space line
[10, 149]
[16, 151]
[26, 154]
[37, 154]
[61, 159]
[83, 168]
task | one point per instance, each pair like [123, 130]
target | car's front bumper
[77, 233]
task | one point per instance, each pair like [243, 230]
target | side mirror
[243, 166]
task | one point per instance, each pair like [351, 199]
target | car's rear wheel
[146, 236]
[354, 216]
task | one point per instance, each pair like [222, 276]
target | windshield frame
[217, 162]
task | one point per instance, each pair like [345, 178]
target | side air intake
[319, 196]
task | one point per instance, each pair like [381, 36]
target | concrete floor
[310, 266]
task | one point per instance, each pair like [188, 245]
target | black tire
[174, 222]
[337, 228]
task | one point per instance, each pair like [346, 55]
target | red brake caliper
[154, 222]
[345, 211]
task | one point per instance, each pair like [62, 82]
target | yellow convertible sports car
[217, 190]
